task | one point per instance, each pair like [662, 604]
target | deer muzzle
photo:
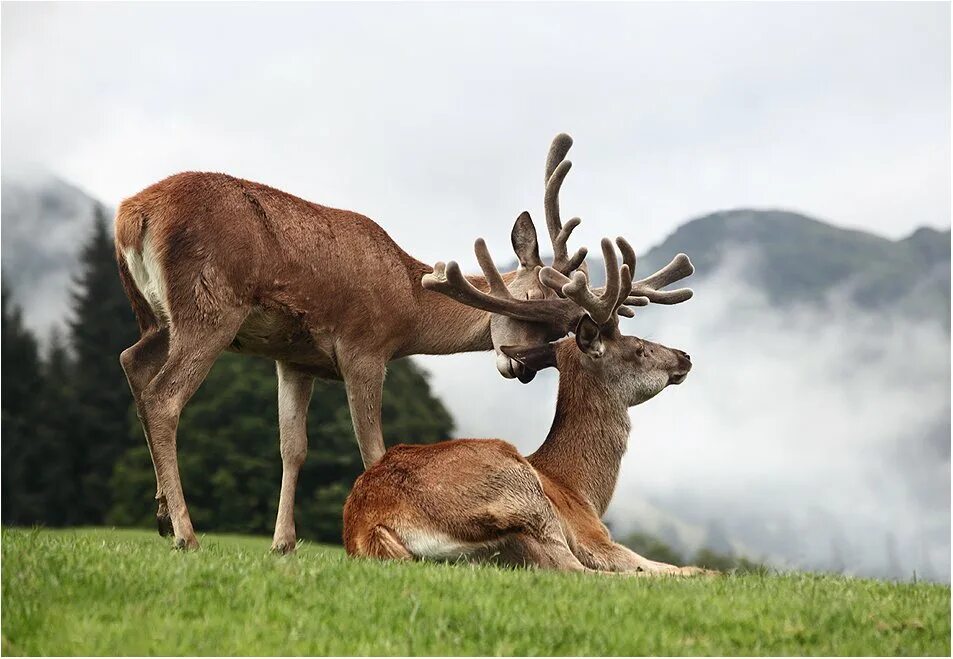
[510, 368]
[684, 366]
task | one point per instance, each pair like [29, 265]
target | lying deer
[482, 500]
[211, 263]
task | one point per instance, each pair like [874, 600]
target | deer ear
[534, 357]
[589, 337]
[524, 241]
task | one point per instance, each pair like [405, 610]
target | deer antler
[648, 290]
[556, 169]
[602, 305]
[450, 281]
[620, 292]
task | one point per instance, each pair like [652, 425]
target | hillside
[45, 221]
[103, 592]
[798, 259]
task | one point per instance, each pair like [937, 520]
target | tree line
[73, 452]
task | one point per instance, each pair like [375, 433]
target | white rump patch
[148, 276]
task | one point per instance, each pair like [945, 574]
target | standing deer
[482, 500]
[212, 263]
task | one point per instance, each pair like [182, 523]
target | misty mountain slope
[801, 259]
[45, 221]
[814, 429]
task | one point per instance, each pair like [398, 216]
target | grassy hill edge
[105, 591]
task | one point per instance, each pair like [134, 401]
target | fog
[809, 436]
[45, 221]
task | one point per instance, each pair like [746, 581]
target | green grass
[101, 591]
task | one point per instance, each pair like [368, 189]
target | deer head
[631, 370]
[514, 322]
[540, 303]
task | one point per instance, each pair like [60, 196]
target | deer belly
[283, 337]
[437, 546]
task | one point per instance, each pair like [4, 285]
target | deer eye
[640, 351]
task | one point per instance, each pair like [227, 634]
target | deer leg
[294, 394]
[551, 551]
[554, 553]
[540, 542]
[548, 552]
[192, 352]
[141, 362]
[364, 381]
[614, 557]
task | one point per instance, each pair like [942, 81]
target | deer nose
[684, 357]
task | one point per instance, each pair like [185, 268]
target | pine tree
[21, 373]
[59, 479]
[21, 383]
[102, 326]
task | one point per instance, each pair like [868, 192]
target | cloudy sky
[434, 119]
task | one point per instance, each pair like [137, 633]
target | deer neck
[588, 438]
[445, 326]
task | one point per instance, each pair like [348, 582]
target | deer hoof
[186, 544]
[283, 548]
[164, 524]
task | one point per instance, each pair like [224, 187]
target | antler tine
[577, 260]
[628, 254]
[556, 169]
[601, 308]
[560, 247]
[551, 199]
[557, 153]
[628, 258]
[493, 277]
[553, 279]
[648, 289]
[625, 285]
[448, 280]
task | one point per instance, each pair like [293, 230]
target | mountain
[44, 221]
[798, 259]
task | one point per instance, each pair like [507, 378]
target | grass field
[102, 591]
